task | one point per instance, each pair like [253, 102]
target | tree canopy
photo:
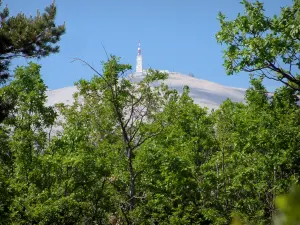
[261, 45]
[136, 152]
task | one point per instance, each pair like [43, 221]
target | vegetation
[134, 153]
[21, 36]
[267, 47]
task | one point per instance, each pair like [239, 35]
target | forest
[131, 153]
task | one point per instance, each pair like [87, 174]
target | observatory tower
[139, 60]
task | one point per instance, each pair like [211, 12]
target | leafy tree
[134, 153]
[258, 142]
[171, 164]
[76, 175]
[26, 140]
[30, 37]
[124, 117]
[257, 157]
[57, 182]
[266, 46]
[5, 171]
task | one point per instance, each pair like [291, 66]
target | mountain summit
[205, 93]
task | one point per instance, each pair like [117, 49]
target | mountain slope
[204, 93]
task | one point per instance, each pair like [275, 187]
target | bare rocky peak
[204, 93]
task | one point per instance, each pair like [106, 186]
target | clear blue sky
[175, 35]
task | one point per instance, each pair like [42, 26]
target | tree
[172, 162]
[20, 36]
[5, 171]
[75, 175]
[257, 158]
[25, 129]
[124, 115]
[43, 181]
[265, 46]
[258, 141]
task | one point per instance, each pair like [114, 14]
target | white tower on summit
[139, 60]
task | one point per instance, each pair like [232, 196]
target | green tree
[26, 140]
[30, 37]
[265, 46]
[258, 141]
[257, 157]
[5, 171]
[124, 116]
[75, 174]
[48, 182]
[172, 162]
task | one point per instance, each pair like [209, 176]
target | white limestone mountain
[205, 93]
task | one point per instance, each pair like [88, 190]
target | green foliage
[171, 163]
[25, 130]
[122, 116]
[289, 207]
[138, 153]
[258, 155]
[131, 153]
[5, 170]
[266, 46]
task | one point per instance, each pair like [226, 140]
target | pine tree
[29, 37]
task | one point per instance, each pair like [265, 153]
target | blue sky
[175, 35]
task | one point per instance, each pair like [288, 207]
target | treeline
[127, 153]
[131, 153]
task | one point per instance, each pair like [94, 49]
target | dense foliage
[127, 152]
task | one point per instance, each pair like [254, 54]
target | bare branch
[107, 56]
[86, 63]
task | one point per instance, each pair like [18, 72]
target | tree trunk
[132, 181]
